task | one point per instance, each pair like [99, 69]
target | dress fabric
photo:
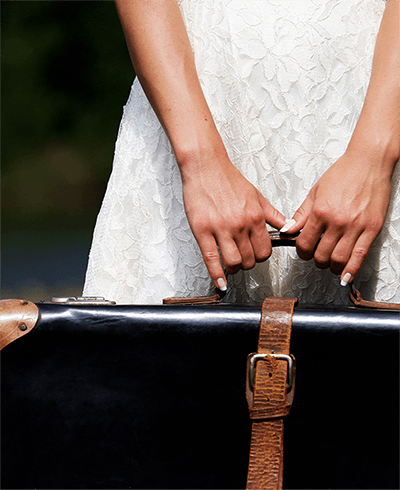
[285, 81]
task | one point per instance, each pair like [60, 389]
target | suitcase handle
[281, 240]
[278, 239]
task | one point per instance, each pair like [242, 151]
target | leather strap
[197, 300]
[17, 318]
[270, 399]
[358, 300]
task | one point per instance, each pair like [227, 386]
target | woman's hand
[342, 215]
[348, 204]
[225, 210]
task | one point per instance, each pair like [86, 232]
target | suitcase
[116, 396]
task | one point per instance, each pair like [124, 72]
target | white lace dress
[285, 81]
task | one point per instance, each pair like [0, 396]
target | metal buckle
[254, 358]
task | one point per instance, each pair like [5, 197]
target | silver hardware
[254, 358]
[23, 327]
[82, 300]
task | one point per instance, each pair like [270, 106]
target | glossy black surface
[153, 397]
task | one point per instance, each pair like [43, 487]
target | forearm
[377, 133]
[163, 60]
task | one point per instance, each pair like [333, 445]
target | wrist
[379, 151]
[201, 153]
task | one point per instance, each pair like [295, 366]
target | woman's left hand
[345, 210]
[343, 214]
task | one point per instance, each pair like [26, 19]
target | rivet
[24, 303]
[23, 327]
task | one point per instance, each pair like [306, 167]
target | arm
[224, 210]
[349, 203]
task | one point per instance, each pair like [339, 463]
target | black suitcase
[154, 397]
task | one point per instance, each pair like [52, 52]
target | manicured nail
[289, 224]
[221, 284]
[346, 279]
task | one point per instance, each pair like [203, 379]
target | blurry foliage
[66, 74]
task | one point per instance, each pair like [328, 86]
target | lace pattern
[285, 81]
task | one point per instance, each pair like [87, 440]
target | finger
[342, 252]
[247, 253]
[301, 215]
[231, 256]
[307, 241]
[209, 250]
[357, 257]
[324, 249]
[272, 216]
[261, 243]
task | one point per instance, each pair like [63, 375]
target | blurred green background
[66, 75]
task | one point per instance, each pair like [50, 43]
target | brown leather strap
[17, 318]
[196, 300]
[358, 300]
[270, 398]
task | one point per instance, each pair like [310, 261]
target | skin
[348, 204]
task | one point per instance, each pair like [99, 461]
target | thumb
[301, 215]
[272, 216]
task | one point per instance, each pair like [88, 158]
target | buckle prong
[254, 358]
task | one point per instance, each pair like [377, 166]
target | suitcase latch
[82, 300]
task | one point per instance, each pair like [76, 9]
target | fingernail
[289, 224]
[221, 284]
[346, 279]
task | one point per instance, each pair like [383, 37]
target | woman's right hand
[226, 211]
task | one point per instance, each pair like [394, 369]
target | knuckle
[339, 221]
[322, 211]
[239, 224]
[248, 265]
[303, 251]
[201, 227]
[375, 224]
[301, 211]
[360, 252]
[211, 256]
[321, 261]
[263, 255]
[231, 269]
[233, 263]
[338, 259]
[336, 269]
[321, 265]
[257, 216]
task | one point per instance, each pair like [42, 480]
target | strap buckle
[254, 358]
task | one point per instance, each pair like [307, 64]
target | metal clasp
[254, 358]
[83, 300]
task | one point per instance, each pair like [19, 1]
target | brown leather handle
[358, 300]
[279, 239]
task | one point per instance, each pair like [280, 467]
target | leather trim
[17, 318]
[197, 300]
[358, 300]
